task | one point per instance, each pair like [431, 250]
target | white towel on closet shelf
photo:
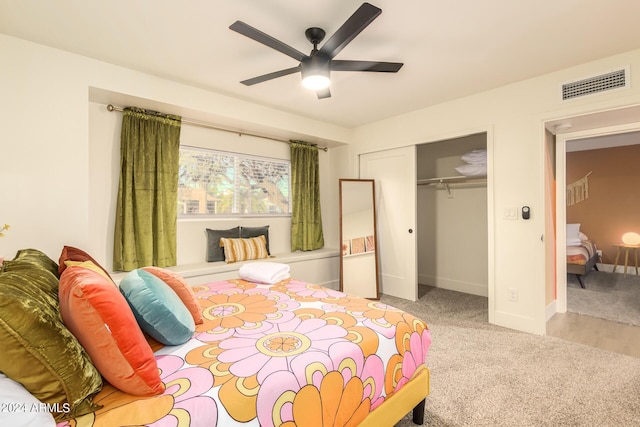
[478, 169]
[264, 272]
[475, 157]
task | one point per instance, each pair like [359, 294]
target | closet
[452, 225]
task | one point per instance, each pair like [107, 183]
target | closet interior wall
[452, 219]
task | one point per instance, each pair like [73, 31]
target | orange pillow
[180, 287]
[98, 315]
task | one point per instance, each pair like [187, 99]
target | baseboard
[608, 268]
[518, 322]
[454, 285]
[550, 310]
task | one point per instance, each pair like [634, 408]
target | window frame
[238, 157]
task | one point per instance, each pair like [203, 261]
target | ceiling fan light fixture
[316, 81]
[315, 73]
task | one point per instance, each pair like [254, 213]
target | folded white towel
[264, 272]
[475, 157]
[479, 169]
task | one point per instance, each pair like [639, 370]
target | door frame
[561, 200]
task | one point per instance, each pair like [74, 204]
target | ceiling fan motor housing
[315, 64]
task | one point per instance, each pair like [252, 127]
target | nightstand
[626, 248]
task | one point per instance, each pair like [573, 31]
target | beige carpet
[485, 375]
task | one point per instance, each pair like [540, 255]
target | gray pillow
[214, 251]
[247, 232]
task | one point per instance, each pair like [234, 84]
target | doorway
[609, 122]
[452, 219]
[561, 200]
[605, 334]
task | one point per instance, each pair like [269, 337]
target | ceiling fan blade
[269, 76]
[265, 39]
[323, 93]
[381, 67]
[350, 29]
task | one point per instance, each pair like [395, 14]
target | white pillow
[479, 169]
[475, 157]
[20, 408]
[573, 235]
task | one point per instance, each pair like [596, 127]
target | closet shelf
[453, 180]
[447, 181]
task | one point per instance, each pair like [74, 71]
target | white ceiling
[450, 48]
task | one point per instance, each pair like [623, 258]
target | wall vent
[596, 84]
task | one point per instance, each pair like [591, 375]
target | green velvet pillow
[27, 259]
[38, 351]
[157, 308]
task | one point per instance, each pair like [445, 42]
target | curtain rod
[192, 122]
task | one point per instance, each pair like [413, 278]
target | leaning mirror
[358, 260]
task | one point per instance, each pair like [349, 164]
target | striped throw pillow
[244, 249]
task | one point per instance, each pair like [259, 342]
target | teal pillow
[157, 308]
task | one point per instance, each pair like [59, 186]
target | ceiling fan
[316, 67]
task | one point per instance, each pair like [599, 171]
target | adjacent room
[601, 205]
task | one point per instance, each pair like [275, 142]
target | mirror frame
[375, 234]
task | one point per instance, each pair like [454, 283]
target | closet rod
[192, 122]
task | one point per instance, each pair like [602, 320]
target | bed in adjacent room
[582, 255]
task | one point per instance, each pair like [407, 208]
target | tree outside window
[219, 183]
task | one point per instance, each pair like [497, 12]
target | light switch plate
[510, 213]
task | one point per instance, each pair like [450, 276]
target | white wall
[514, 115]
[59, 151]
[452, 238]
[46, 174]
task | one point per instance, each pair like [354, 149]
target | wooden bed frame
[409, 399]
[582, 270]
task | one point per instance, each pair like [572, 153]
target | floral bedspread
[290, 354]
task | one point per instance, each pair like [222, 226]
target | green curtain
[145, 231]
[306, 217]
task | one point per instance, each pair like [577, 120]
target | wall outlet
[599, 252]
[513, 294]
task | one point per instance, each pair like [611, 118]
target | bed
[287, 353]
[310, 346]
[582, 258]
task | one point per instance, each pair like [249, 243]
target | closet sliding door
[395, 174]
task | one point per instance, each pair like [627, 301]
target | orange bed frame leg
[418, 413]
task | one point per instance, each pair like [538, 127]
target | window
[220, 183]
